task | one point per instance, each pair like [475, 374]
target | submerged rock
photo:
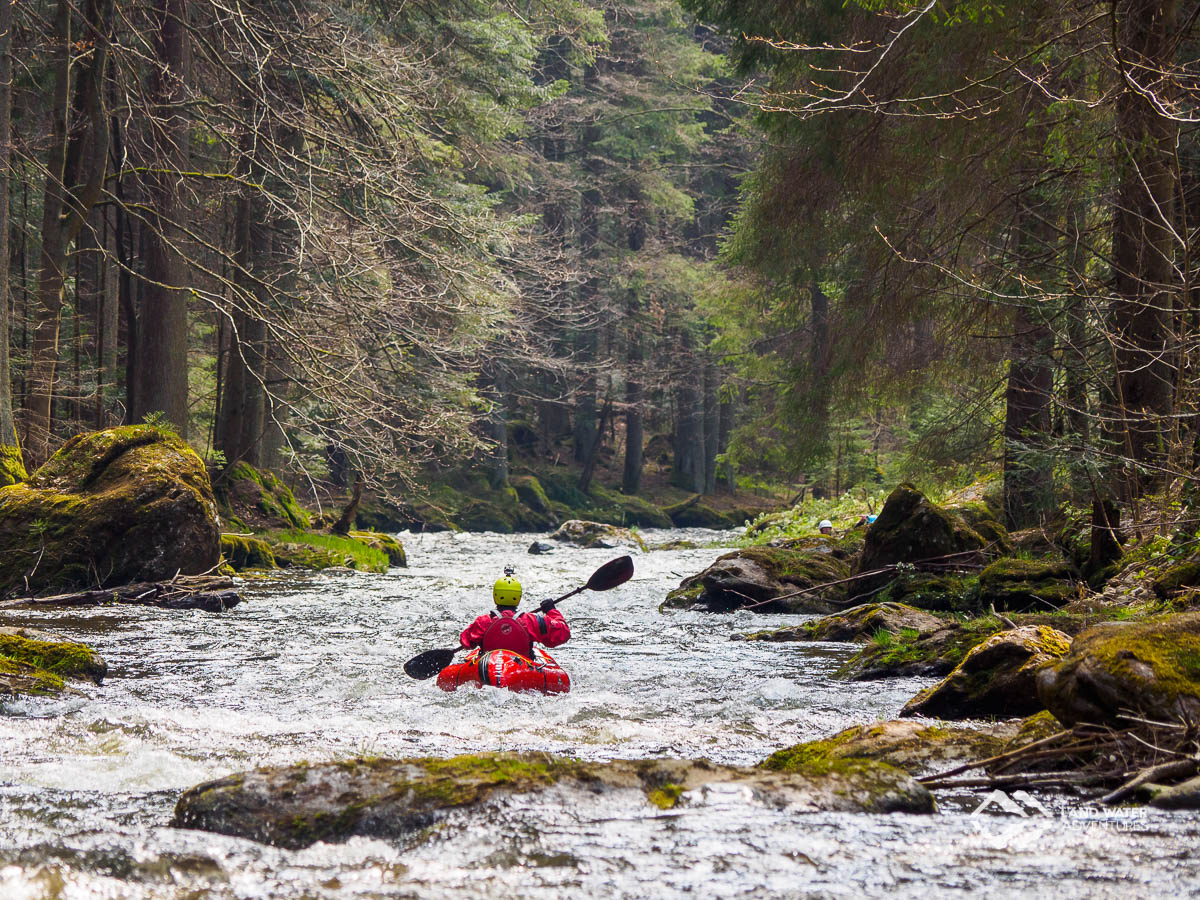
[541, 547]
[596, 534]
[296, 806]
[1149, 669]
[766, 576]
[859, 623]
[110, 507]
[910, 529]
[996, 678]
[915, 747]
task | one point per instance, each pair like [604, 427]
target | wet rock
[1021, 584]
[296, 806]
[387, 544]
[915, 747]
[1185, 795]
[859, 623]
[245, 551]
[910, 529]
[996, 678]
[676, 545]
[764, 575]
[596, 534]
[1150, 669]
[109, 508]
[693, 514]
[541, 547]
[66, 659]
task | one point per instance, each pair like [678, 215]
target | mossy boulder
[111, 507]
[998, 677]
[625, 509]
[911, 529]
[582, 533]
[65, 659]
[244, 552]
[1149, 669]
[296, 806]
[531, 493]
[693, 514]
[388, 544]
[935, 591]
[258, 499]
[907, 654]
[1178, 577]
[1023, 584]
[915, 747]
[295, 555]
[764, 578]
[859, 624]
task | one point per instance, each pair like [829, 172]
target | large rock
[1021, 584]
[859, 623]
[766, 576]
[110, 507]
[295, 806]
[252, 499]
[1148, 669]
[34, 662]
[910, 529]
[996, 678]
[596, 534]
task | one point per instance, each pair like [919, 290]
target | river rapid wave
[309, 668]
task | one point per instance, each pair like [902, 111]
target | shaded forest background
[731, 244]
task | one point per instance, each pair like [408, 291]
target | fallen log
[210, 593]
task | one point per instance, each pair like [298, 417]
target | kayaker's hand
[547, 605]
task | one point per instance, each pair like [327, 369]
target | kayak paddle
[610, 575]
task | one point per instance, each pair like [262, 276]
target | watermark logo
[1019, 803]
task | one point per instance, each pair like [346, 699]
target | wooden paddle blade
[427, 664]
[611, 574]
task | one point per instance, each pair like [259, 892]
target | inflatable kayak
[506, 669]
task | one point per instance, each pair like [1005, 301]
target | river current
[308, 668]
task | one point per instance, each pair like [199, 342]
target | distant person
[826, 527]
[503, 629]
[865, 521]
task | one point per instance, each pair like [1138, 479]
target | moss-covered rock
[859, 623]
[693, 514]
[908, 654]
[244, 552]
[914, 747]
[44, 651]
[12, 466]
[296, 806]
[910, 529]
[998, 677]
[623, 509]
[258, 499]
[934, 591]
[111, 507]
[388, 544]
[294, 555]
[531, 493]
[1151, 669]
[18, 679]
[1178, 577]
[596, 534]
[1022, 584]
[767, 576]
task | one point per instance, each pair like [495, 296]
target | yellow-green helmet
[506, 591]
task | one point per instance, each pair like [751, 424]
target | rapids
[308, 668]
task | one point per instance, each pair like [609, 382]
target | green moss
[245, 552]
[385, 542]
[666, 796]
[61, 658]
[696, 515]
[1013, 583]
[623, 509]
[531, 493]
[23, 678]
[12, 466]
[247, 493]
[1177, 577]
[325, 550]
[818, 759]
[683, 597]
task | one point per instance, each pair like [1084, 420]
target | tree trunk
[1143, 248]
[1028, 477]
[688, 472]
[497, 427]
[631, 480]
[12, 469]
[161, 371]
[65, 206]
[712, 425]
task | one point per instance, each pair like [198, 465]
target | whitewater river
[308, 668]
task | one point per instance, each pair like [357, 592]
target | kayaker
[826, 527]
[503, 629]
